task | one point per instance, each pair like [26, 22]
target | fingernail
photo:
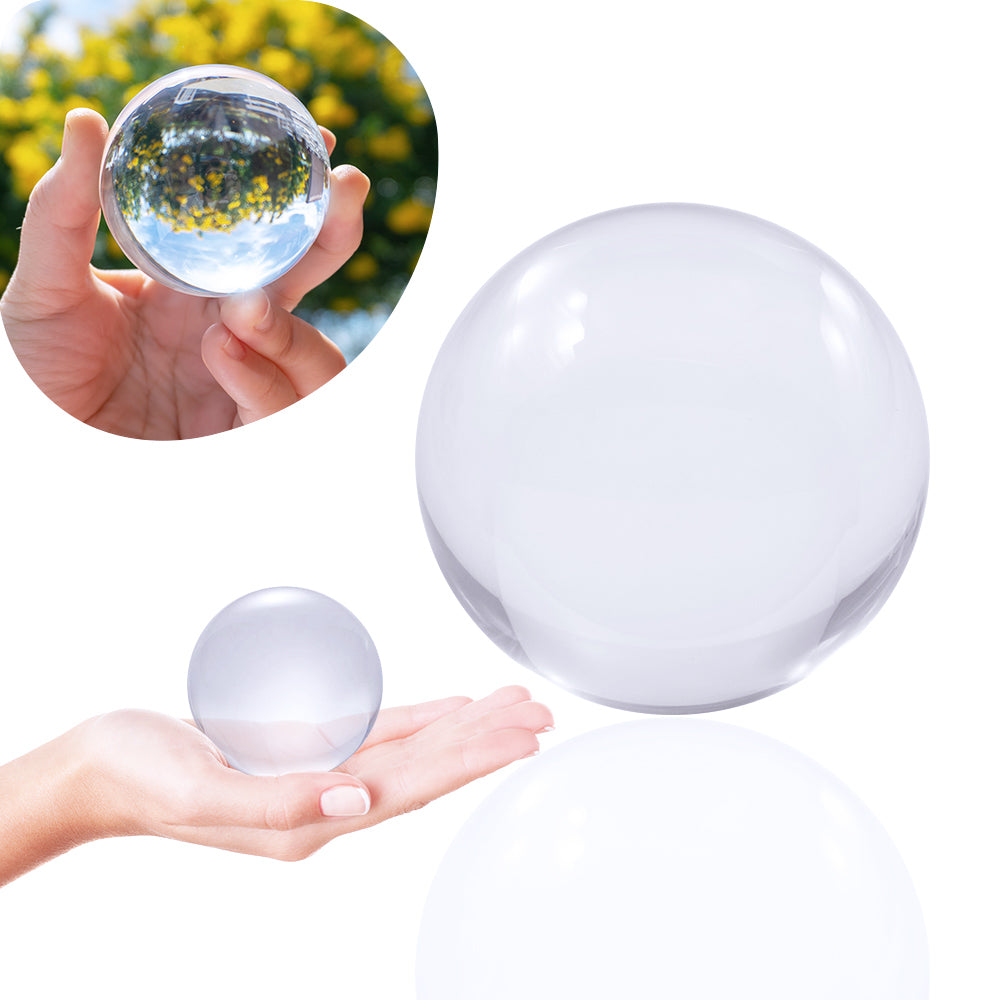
[530, 753]
[344, 800]
[546, 729]
[234, 348]
[256, 303]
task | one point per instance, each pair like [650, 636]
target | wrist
[69, 785]
[48, 805]
[89, 780]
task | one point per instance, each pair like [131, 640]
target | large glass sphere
[215, 180]
[670, 456]
[285, 680]
[672, 858]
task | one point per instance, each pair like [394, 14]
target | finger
[307, 358]
[60, 225]
[501, 698]
[529, 715]
[411, 785]
[329, 138]
[129, 283]
[287, 802]
[455, 727]
[337, 240]
[257, 385]
[398, 723]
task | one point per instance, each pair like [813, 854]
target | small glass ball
[671, 456]
[285, 680]
[215, 180]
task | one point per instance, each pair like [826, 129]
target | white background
[866, 126]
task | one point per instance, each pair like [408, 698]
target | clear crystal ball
[671, 456]
[215, 180]
[283, 680]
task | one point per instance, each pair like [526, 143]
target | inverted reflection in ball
[672, 858]
[670, 456]
[285, 680]
[215, 180]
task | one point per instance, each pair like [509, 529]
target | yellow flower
[10, 111]
[116, 63]
[243, 33]
[114, 250]
[76, 101]
[37, 46]
[393, 144]
[329, 109]
[39, 78]
[358, 57]
[361, 267]
[191, 41]
[410, 216]
[39, 108]
[28, 161]
[281, 65]
[419, 114]
[134, 89]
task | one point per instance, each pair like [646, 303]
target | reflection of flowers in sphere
[671, 456]
[672, 858]
[215, 180]
[285, 680]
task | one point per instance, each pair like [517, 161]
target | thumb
[288, 801]
[60, 225]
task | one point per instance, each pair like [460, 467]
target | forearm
[45, 805]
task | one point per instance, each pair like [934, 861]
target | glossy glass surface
[671, 456]
[215, 180]
[285, 680]
[672, 858]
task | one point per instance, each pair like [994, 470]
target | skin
[134, 773]
[127, 355]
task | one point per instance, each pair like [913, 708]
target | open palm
[151, 774]
[128, 355]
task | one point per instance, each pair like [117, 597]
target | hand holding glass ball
[132, 772]
[215, 180]
[156, 357]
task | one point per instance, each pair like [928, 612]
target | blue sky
[69, 13]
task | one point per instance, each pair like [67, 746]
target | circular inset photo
[209, 208]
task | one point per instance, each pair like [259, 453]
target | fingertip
[234, 348]
[83, 130]
[530, 747]
[329, 138]
[246, 311]
[86, 117]
[219, 346]
[505, 746]
[547, 719]
[211, 342]
[512, 693]
[351, 182]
